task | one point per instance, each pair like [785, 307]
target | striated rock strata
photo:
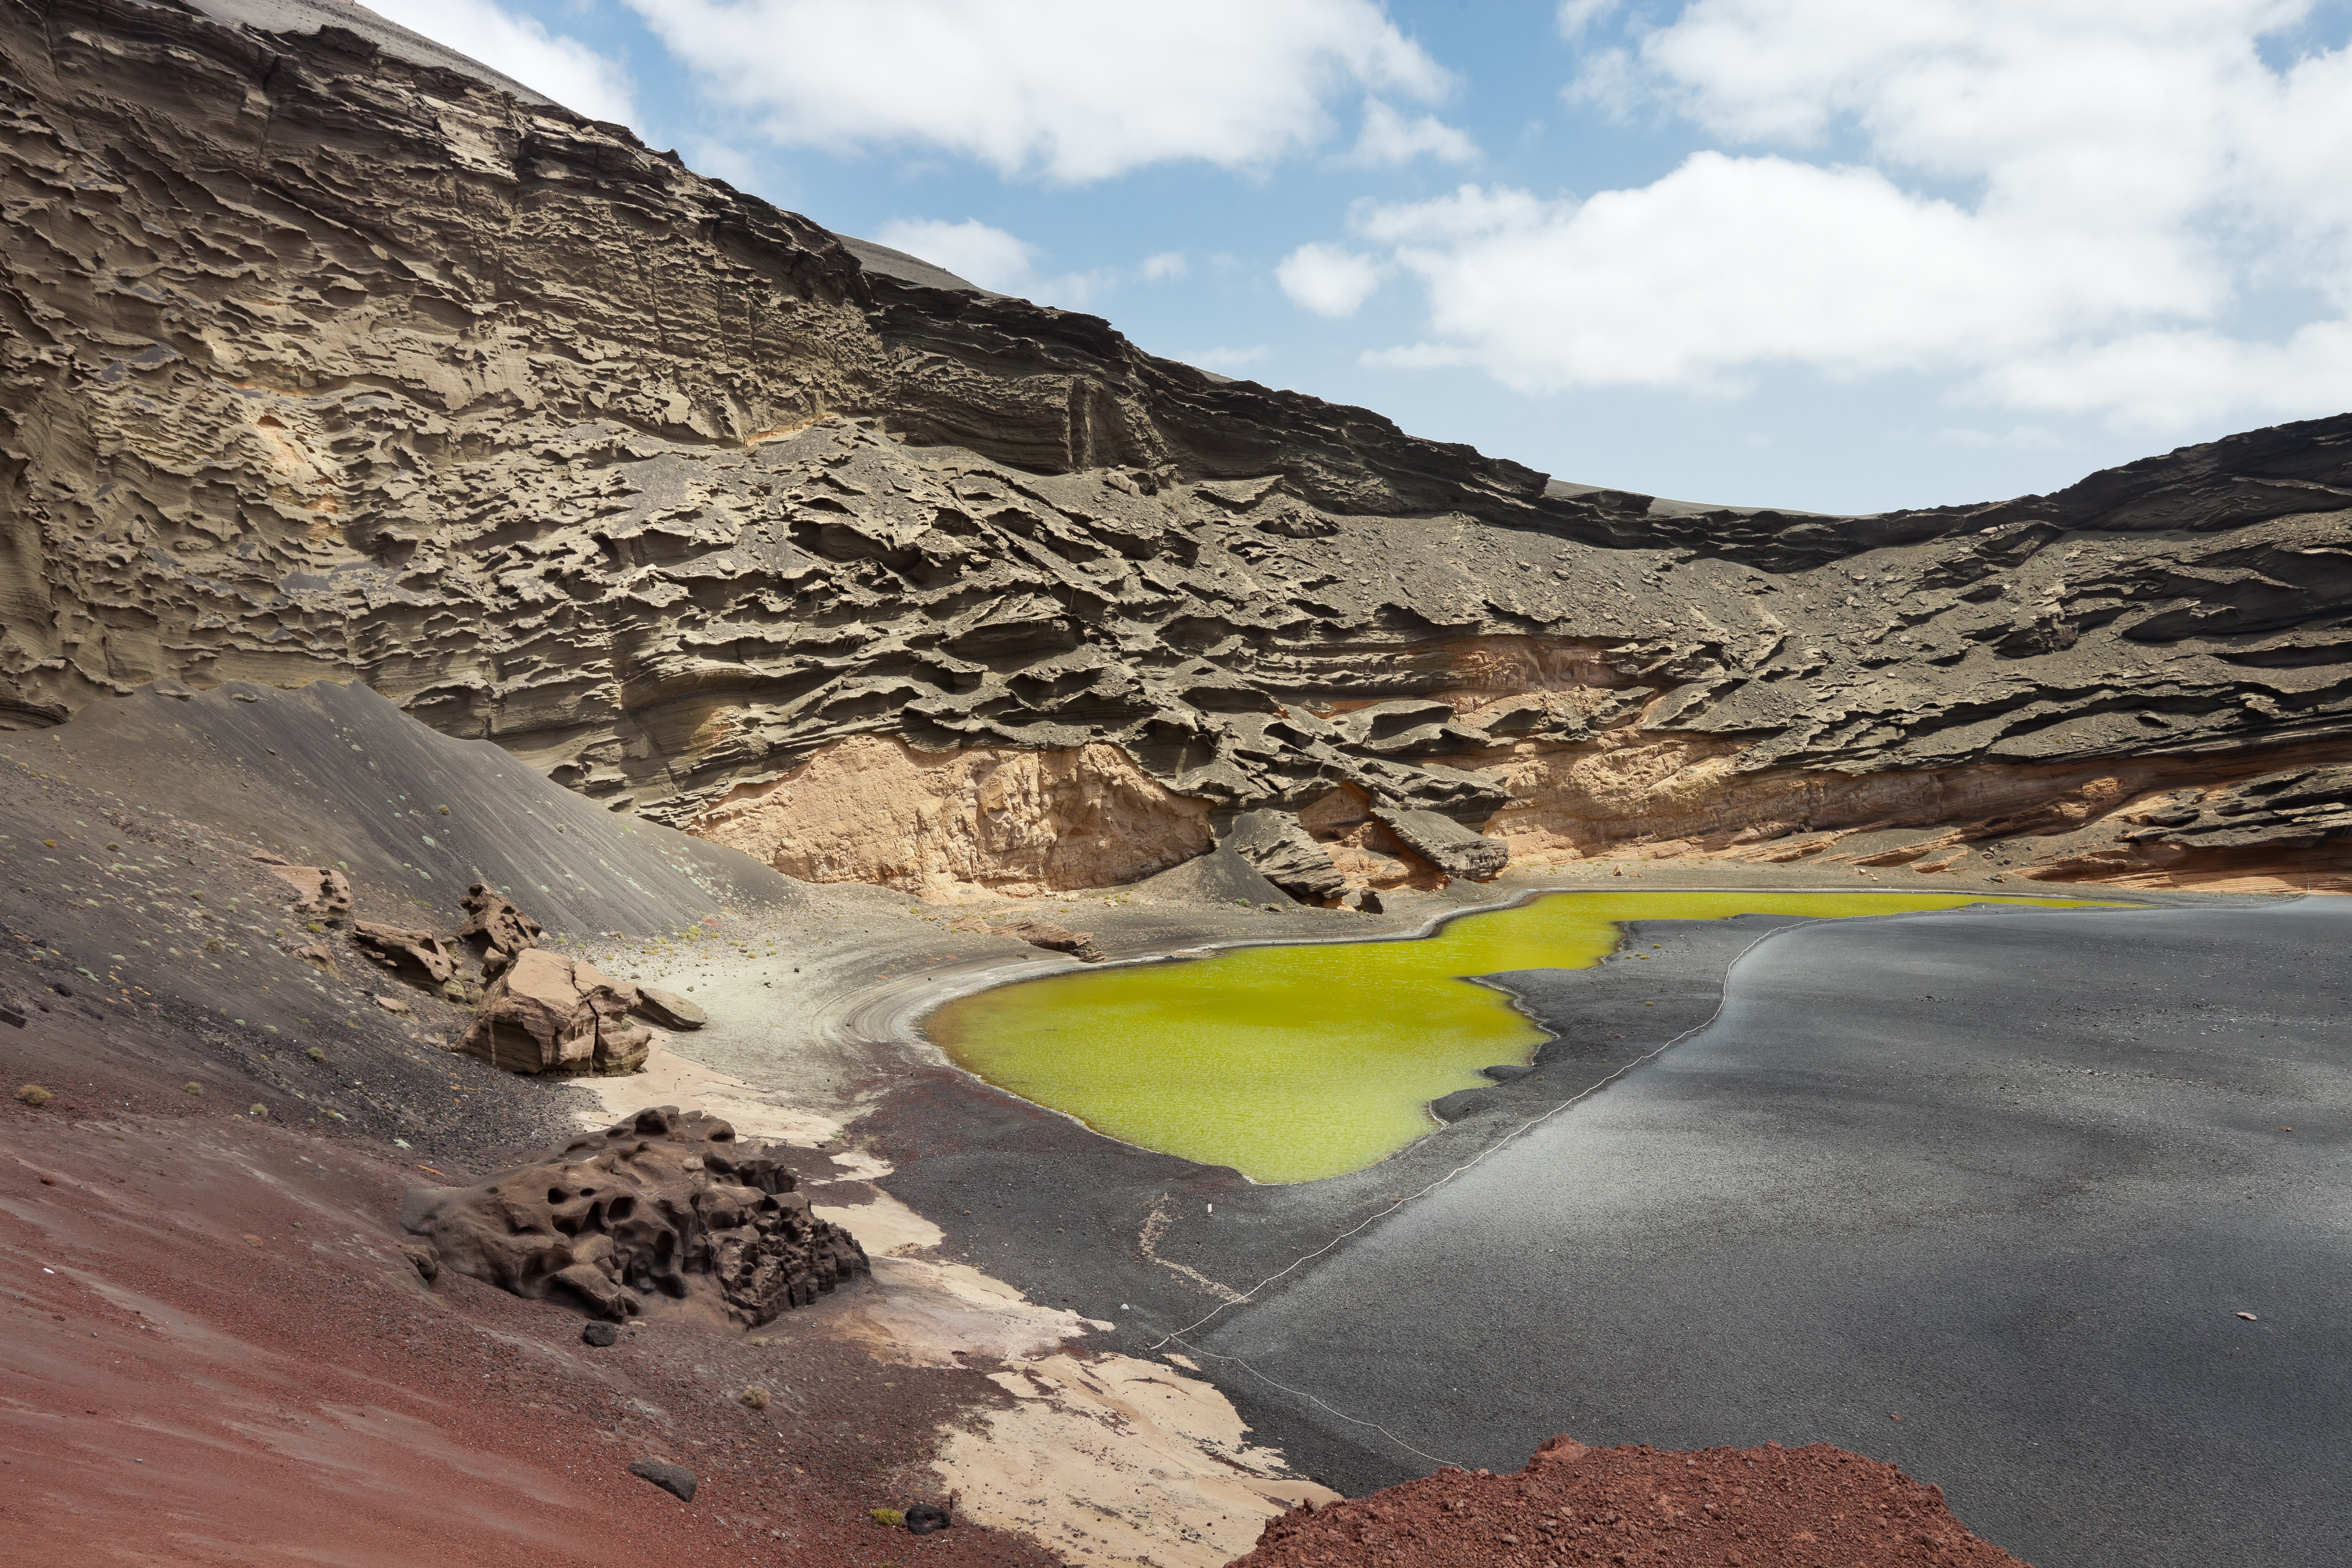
[664, 1207]
[325, 354]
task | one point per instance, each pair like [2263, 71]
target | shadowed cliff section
[328, 355]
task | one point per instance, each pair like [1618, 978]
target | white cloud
[2024, 437]
[1328, 280]
[1575, 16]
[2055, 204]
[1074, 88]
[2169, 381]
[1007, 264]
[564, 68]
[1230, 359]
[972, 249]
[720, 160]
[1730, 263]
[1389, 137]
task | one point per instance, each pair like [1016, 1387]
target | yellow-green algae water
[1294, 1063]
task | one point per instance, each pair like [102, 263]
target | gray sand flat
[2008, 1175]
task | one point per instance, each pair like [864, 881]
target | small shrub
[315, 1054]
[33, 1094]
[196, 1088]
[753, 1398]
[256, 1108]
[890, 1517]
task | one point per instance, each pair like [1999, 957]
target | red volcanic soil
[1742, 1508]
[216, 1353]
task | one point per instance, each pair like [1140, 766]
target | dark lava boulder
[674, 1479]
[664, 1208]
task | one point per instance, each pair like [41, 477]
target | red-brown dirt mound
[1743, 1508]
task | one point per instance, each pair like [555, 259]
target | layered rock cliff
[328, 355]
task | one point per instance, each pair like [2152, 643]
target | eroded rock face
[872, 809]
[416, 955]
[1286, 854]
[503, 929]
[320, 891]
[546, 1013]
[563, 446]
[664, 1208]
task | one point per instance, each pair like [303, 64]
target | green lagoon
[1298, 1062]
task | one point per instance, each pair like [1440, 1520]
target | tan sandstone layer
[940, 823]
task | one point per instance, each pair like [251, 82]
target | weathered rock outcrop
[1286, 855]
[502, 930]
[321, 359]
[415, 955]
[1078, 944]
[320, 891]
[662, 1208]
[546, 1013]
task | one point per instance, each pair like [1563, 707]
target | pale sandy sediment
[1105, 1458]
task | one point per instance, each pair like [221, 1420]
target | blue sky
[1839, 255]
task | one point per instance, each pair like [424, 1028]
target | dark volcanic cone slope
[137, 895]
[326, 358]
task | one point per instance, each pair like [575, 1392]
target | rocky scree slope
[322, 359]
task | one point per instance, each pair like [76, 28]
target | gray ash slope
[327, 356]
[130, 903]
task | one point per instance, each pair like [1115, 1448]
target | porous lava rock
[501, 930]
[1714, 1508]
[667, 1208]
[547, 1012]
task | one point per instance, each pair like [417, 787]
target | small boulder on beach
[1078, 944]
[669, 1010]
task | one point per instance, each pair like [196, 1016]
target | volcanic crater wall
[318, 359]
